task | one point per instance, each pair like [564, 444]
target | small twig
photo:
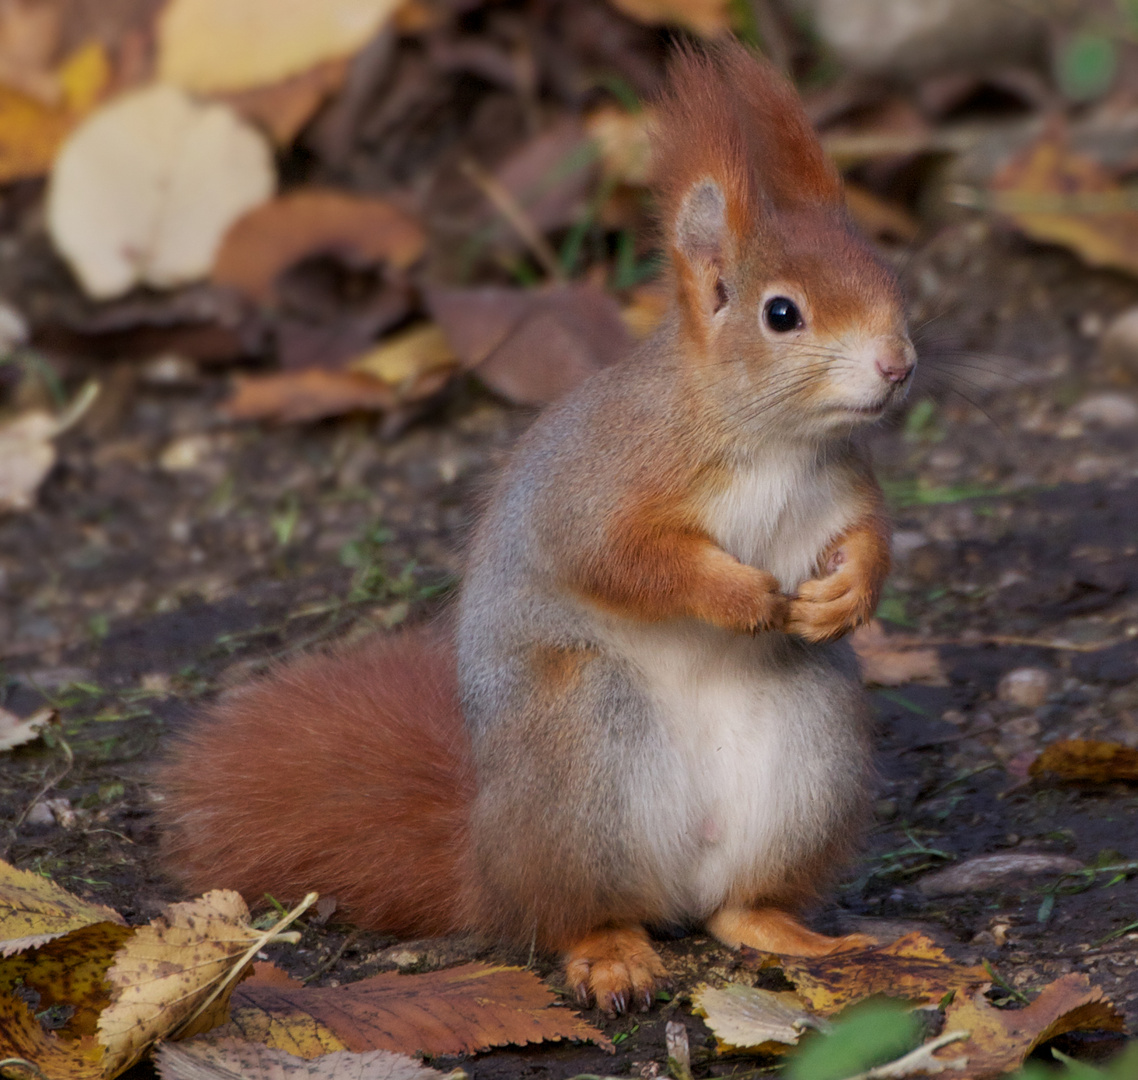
[330, 962]
[920, 1061]
[509, 207]
[905, 641]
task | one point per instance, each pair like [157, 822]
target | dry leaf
[269, 240]
[1002, 1038]
[459, 1011]
[15, 732]
[145, 189]
[1059, 196]
[33, 910]
[307, 394]
[885, 664]
[31, 132]
[235, 1059]
[69, 972]
[1087, 760]
[531, 345]
[750, 1020]
[878, 217]
[283, 108]
[912, 968]
[170, 969]
[709, 18]
[29, 38]
[403, 359]
[625, 143]
[23, 1038]
[28, 455]
[220, 46]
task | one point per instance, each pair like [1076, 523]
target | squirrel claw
[616, 968]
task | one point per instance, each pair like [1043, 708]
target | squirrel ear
[701, 224]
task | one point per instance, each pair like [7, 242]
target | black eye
[782, 315]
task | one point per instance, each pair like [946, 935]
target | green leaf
[1086, 66]
[868, 1035]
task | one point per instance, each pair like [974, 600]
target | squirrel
[644, 713]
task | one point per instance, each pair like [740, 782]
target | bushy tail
[347, 773]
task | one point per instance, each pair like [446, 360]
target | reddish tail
[348, 773]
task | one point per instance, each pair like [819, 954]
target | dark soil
[172, 555]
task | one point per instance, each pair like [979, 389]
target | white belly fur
[760, 753]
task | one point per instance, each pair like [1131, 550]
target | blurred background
[282, 280]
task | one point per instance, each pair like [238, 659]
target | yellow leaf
[22, 1038]
[220, 46]
[709, 18]
[176, 974]
[912, 967]
[85, 76]
[401, 359]
[34, 909]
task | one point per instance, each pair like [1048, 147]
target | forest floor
[172, 555]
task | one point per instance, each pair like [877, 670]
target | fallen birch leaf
[25, 1046]
[1087, 760]
[15, 732]
[531, 345]
[1058, 196]
[175, 975]
[269, 240]
[749, 1020]
[145, 189]
[708, 18]
[33, 910]
[885, 664]
[220, 46]
[235, 1059]
[912, 968]
[1002, 1038]
[462, 1010]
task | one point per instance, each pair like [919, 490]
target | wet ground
[173, 555]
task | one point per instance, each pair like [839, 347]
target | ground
[172, 555]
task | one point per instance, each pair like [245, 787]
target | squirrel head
[780, 300]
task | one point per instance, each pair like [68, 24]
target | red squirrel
[644, 713]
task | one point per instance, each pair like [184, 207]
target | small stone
[40, 815]
[186, 454]
[1026, 687]
[987, 872]
[1108, 409]
[1119, 345]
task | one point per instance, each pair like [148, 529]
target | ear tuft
[701, 224]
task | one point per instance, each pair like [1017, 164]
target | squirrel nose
[895, 362]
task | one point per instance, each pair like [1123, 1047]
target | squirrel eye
[782, 315]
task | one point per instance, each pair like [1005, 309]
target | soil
[172, 555]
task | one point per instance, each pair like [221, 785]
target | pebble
[1026, 687]
[1119, 344]
[1109, 409]
[987, 872]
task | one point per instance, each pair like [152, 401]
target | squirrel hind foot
[616, 968]
[774, 930]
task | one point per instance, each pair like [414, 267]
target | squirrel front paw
[829, 607]
[753, 603]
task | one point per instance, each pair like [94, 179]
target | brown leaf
[885, 664]
[34, 907]
[283, 108]
[1002, 1038]
[1088, 760]
[235, 1059]
[266, 242]
[709, 18]
[458, 1011]
[313, 394]
[1059, 196]
[879, 218]
[531, 345]
[912, 967]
